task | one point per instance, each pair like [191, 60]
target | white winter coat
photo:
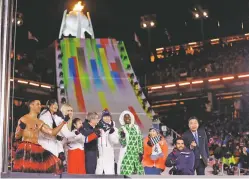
[106, 142]
[77, 142]
[50, 143]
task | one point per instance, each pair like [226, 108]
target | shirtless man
[30, 156]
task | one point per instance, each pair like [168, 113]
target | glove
[122, 134]
[140, 157]
[22, 125]
[62, 156]
[149, 143]
[66, 118]
[59, 138]
[111, 130]
[173, 171]
[77, 132]
[97, 132]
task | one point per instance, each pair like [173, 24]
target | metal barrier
[174, 134]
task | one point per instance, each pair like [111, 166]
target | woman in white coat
[109, 137]
[52, 117]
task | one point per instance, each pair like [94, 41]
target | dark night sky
[121, 18]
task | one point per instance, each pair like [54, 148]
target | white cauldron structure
[75, 23]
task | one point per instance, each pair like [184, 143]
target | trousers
[91, 161]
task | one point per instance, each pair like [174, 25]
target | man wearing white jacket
[109, 137]
[52, 117]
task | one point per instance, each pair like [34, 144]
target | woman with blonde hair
[66, 109]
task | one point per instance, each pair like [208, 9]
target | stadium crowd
[229, 143]
[35, 67]
[208, 61]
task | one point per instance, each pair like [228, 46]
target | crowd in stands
[34, 67]
[229, 143]
[208, 61]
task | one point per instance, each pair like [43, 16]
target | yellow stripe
[106, 68]
[102, 100]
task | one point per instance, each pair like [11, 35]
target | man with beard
[109, 137]
[181, 159]
[131, 151]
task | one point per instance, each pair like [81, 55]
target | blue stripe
[98, 46]
[116, 77]
[71, 66]
[96, 78]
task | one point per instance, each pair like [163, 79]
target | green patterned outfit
[130, 163]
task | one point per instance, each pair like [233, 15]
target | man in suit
[196, 140]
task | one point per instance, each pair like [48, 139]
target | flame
[78, 7]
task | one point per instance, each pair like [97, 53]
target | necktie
[196, 138]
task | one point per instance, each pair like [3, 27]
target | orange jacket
[160, 162]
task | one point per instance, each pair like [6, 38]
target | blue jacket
[183, 160]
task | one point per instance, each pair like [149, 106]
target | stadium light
[148, 22]
[18, 19]
[197, 15]
[243, 76]
[170, 86]
[228, 78]
[200, 14]
[197, 82]
[205, 14]
[156, 87]
[184, 84]
[214, 79]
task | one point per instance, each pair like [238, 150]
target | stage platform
[64, 175]
[35, 175]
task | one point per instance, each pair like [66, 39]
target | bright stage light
[205, 14]
[197, 15]
[152, 24]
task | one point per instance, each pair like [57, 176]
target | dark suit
[201, 150]
[90, 149]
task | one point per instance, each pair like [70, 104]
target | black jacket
[86, 130]
[202, 148]
[244, 160]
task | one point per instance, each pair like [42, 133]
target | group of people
[52, 139]
[191, 153]
[53, 142]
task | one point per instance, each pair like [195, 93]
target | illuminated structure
[75, 23]
[163, 52]
[94, 74]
